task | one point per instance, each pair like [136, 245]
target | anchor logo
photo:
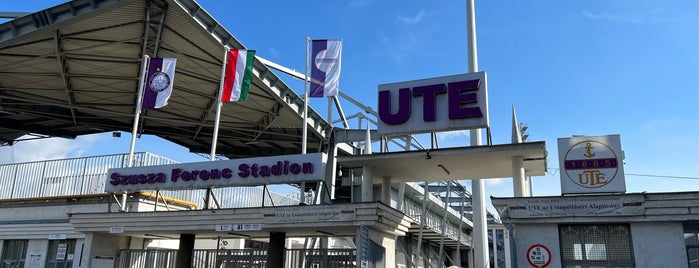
[589, 152]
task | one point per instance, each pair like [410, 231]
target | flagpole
[305, 103]
[217, 121]
[219, 105]
[136, 117]
[137, 114]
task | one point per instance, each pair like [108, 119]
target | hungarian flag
[238, 75]
[325, 67]
[158, 88]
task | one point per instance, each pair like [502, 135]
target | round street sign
[539, 256]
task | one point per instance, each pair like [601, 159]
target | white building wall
[526, 235]
[388, 242]
[36, 253]
[658, 244]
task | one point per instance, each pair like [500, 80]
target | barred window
[598, 245]
[14, 252]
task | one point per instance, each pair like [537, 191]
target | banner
[283, 169]
[578, 206]
[158, 88]
[238, 75]
[325, 67]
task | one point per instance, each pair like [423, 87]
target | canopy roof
[73, 69]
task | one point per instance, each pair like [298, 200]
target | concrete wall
[658, 244]
[655, 244]
[103, 245]
[526, 235]
[36, 253]
[388, 242]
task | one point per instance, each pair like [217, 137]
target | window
[61, 253]
[593, 246]
[14, 252]
[691, 241]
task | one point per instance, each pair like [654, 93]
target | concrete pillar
[456, 258]
[518, 178]
[367, 184]
[386, 190]
[330, 174]
[184, 253]
[275, 253]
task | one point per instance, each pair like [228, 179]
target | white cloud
[414, 19]
[637, 16]
[453, 135]
[495, 182]
[51, 148]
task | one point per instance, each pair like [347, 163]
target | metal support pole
[423, 216]
[480, 236]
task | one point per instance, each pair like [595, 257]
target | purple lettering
[243, 170]
[277, 169]
[141, 178]
[175, 174]
[458, 98]
[254, 170]
[295, 168]
[307, 167]
[403, 113]
[114, 179]
[264, 171]
[429, 99]
[204, 174]
[227, 173]
[118, 179]
[186, 175]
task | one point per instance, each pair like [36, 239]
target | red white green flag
[238, 75]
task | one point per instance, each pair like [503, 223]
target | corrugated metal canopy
[73, 69]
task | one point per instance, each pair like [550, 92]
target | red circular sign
[539, 256]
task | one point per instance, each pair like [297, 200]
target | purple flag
[325, 67]
[158, 88]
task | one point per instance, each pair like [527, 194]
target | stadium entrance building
[354, 208]
[595, 223]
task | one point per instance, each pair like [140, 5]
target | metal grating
[599, 245]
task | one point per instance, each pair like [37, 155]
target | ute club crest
[591, 164]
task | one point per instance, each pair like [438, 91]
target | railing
[65, 177]
[238, 258]
[146, 258]
[88, 175]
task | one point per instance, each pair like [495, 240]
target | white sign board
[436, 104]
[238, 172]
[309, 214]
[591, 164]
[584, 206]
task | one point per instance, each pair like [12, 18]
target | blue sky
[628, 67]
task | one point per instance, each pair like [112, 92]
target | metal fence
[238, 258]
[146, 258]
[64, 177]
[88, 175]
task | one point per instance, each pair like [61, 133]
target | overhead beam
[63, 68]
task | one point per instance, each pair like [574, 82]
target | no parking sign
[539, 256]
